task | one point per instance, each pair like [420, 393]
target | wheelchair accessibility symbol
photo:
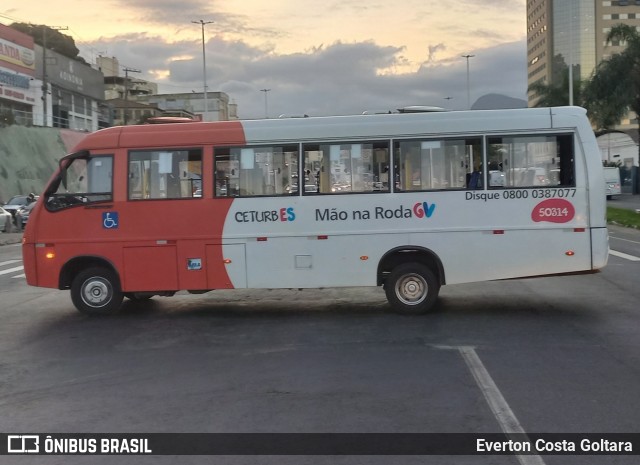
[110, 220]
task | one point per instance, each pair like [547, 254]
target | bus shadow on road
[458, 301]
[188, 307]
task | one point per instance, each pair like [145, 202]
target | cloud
[510, 5]
[432, 51]
[182, 14]
[340, 78]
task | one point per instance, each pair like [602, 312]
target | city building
[132, 99]
[45, 88]
[127, 112]
[617, 147]
[18, 91]
[74, 95]
[124, 87]
[219, 108]
[572, 33]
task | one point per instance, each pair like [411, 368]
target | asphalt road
[563, 354]
[627, 201]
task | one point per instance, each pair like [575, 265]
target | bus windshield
[82, 179]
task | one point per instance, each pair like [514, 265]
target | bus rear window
[530, 161]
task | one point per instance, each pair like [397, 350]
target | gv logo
[424, 209]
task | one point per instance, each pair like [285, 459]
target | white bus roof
[410, 124]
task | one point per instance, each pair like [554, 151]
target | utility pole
[266, 104]
[45, 87]
[571, 52]
[468, 87]
[204, 66]
[127, 70]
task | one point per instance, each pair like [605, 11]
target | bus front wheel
[96, 291]
[412, 289]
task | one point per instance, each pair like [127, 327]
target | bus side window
[256, 171]
[166, 174]
[531, 161]
[346, 168]
[438, 164]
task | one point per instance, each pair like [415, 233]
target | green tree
[614, 87]
[56, 41]
[557, 94]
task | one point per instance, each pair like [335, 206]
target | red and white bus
[406, 201]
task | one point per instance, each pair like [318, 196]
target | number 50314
[553, 212]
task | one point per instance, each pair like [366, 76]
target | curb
[10, 238]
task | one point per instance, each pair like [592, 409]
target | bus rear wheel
[96, 291]
[412, 289]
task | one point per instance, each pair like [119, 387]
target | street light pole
[468, 88]
[204, 66]
[266, 105]
[45, 86]
[571, 52]
[127, 70]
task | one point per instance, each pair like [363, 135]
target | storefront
[75, 92]
[17, 71]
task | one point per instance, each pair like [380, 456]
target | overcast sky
[317, 57]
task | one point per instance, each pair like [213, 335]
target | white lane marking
[12, 270]
[633, 258]
[19, 276]
[9, 262]
[622, 239]
[498, 405]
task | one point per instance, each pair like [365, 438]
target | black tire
[412, 289]
[96, 291]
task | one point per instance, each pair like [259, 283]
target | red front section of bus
[158, 245]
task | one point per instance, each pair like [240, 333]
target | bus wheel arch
[94, 284]
[411, 277]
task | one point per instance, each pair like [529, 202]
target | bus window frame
[570, 135]
[253, 147]
[77, 199]
[202, 150]
[397, 171]
[354, 141]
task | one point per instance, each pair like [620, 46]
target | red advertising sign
[553, 211]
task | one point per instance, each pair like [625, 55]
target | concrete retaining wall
[29, 156]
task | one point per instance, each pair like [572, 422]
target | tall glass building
[572, 33]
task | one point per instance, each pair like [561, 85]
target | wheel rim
[412, 289]
[96, 292]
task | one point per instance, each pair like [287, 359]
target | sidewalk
[10, 238]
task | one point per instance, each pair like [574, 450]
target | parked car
[5, 217]
[22, 215]
[612, 182]
[18, 201]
